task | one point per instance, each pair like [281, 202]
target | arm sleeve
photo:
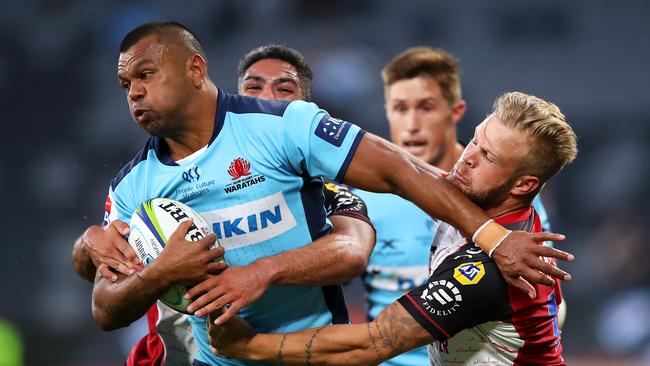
[339, 200]
[466, 290]
[317, 144]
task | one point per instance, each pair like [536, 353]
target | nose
[267, 93]
[136, 91]
[412, 121]
[469, 155]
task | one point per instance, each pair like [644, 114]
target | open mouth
[140, 113]
[414, 143]
[416, 148]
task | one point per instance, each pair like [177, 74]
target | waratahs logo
[239, 167]
[240, 171]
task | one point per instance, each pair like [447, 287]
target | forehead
[148, 49]
[272, 69]
[420, 87]
[503, 140]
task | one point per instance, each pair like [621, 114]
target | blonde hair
[553, 139]
[426, 62]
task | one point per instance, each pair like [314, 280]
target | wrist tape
[489, 236]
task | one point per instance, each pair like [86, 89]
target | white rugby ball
[151, 226]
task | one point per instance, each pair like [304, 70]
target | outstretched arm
[392, 333]
[380, 166]
[338, 257]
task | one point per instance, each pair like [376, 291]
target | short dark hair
[168, 30]
[283, 53]
[429, 62]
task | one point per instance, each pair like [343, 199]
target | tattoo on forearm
[309, 345]
[281, 349]
[385, 342]
[372, 342]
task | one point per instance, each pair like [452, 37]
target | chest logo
[240, 171]
[239, 167]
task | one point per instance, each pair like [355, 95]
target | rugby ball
[151, 226]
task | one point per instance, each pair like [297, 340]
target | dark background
[67, 131]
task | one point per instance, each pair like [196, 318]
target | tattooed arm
[392, 333]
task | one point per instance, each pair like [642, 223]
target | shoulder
[140, 156]
[240, 104]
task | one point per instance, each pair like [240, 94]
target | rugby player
[466, 308]
[424, 104]
[163, 70]
[276, 73]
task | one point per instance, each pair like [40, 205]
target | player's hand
[188, 262]
[231, 338]
[518, 258]
[109, 251]
[238, 286]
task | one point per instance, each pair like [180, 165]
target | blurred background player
[424, 104]
[465, 304]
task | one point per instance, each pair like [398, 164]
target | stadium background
[67, 131]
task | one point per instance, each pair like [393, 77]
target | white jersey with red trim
[473, 313]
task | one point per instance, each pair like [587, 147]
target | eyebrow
[419, 100]
[275, 82]
[490, 149]
[136, 65]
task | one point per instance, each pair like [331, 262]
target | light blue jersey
[400, 260]
[253, 184]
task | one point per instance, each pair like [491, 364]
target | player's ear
[197, 69]
[458, 110]
[524, 185]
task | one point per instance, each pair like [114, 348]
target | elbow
[356, 261]
[105, 318]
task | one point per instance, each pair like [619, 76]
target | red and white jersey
[169, 341]
[473, 313]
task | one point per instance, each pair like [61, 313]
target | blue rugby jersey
[400, 260]
[254, 185]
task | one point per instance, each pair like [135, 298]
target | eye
[252, 87]
[145, 74]
[399, 108]
[428, 107]
[125, 85]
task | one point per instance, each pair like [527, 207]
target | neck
[199, 125]
[509, 205]
[453, 153]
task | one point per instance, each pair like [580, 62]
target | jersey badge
[107, 210]
[239, 167]
[469, 273]
[332, 130]
[240, 172]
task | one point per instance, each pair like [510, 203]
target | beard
[489, 198]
